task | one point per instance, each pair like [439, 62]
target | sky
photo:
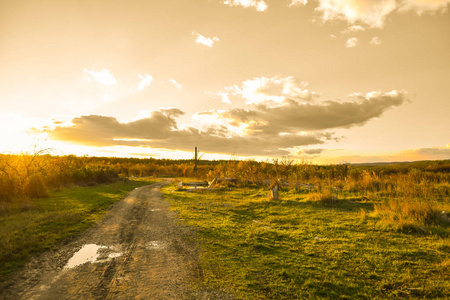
[321, 81]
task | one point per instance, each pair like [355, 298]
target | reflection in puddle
[154, 245]
[91, 253]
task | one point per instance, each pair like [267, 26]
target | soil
[137, 251]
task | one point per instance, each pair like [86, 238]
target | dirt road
[137, 251]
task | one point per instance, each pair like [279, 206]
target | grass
[30, 229]
[308, 247]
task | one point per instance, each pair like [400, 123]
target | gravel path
[137, 251]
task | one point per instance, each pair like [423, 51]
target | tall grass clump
[412, 214]
[325, 196]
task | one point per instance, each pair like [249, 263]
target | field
[337, 231]
[298, 248]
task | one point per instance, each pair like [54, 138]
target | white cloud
[145, 81]
[424, 6]
[373, 13]
[353, 28]
[175, 83]
[271, 91]
[375, 41]
[104, 77]
[200, 39]
[259, 5]
[224, 97]
[370, 13]
[298, 2]
[351, 42]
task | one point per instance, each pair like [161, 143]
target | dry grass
[411, 214]
[406, 195]
[326, 196]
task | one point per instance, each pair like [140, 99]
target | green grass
[30, 229]
[297, 248]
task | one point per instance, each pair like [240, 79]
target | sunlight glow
[104, 77]
[15, 134]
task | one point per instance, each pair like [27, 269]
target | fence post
[195, 166]
[275, 192]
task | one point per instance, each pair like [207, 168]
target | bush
[36, 187]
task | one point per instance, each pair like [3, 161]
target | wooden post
[213, 182]
[195, 166]
[275, 192]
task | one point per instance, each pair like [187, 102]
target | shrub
[36, 187]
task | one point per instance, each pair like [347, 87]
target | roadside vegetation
[28, 176]
[40, 224]
[304, 247]
[337, 231]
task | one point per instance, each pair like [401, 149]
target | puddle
[155, 245]
[92, 253]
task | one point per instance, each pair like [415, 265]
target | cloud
[431, 153]
[370, 13]
[224, 97]
[373, 13]
[260, 5]
[311, 151]
[104, 77]
[353, 28]
[97, 130]
[279, 116]
[175, 83]
[200, 39]
[293, 117]
[351, 42]
[424, 6]
[375, 41]
[270, 91]
[160, 131]
[146, 79]
[298, 2]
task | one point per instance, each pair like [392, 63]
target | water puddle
[92, 253]
[155, 245]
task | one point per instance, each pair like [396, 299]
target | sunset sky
[324, 81]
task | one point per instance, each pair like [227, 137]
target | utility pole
[195, 166]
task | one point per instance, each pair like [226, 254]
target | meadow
[304, 248]
[337, 231]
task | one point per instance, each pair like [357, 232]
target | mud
[137, 251]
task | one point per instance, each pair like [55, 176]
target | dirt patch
[137, 251]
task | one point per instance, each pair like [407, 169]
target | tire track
[139, 255]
